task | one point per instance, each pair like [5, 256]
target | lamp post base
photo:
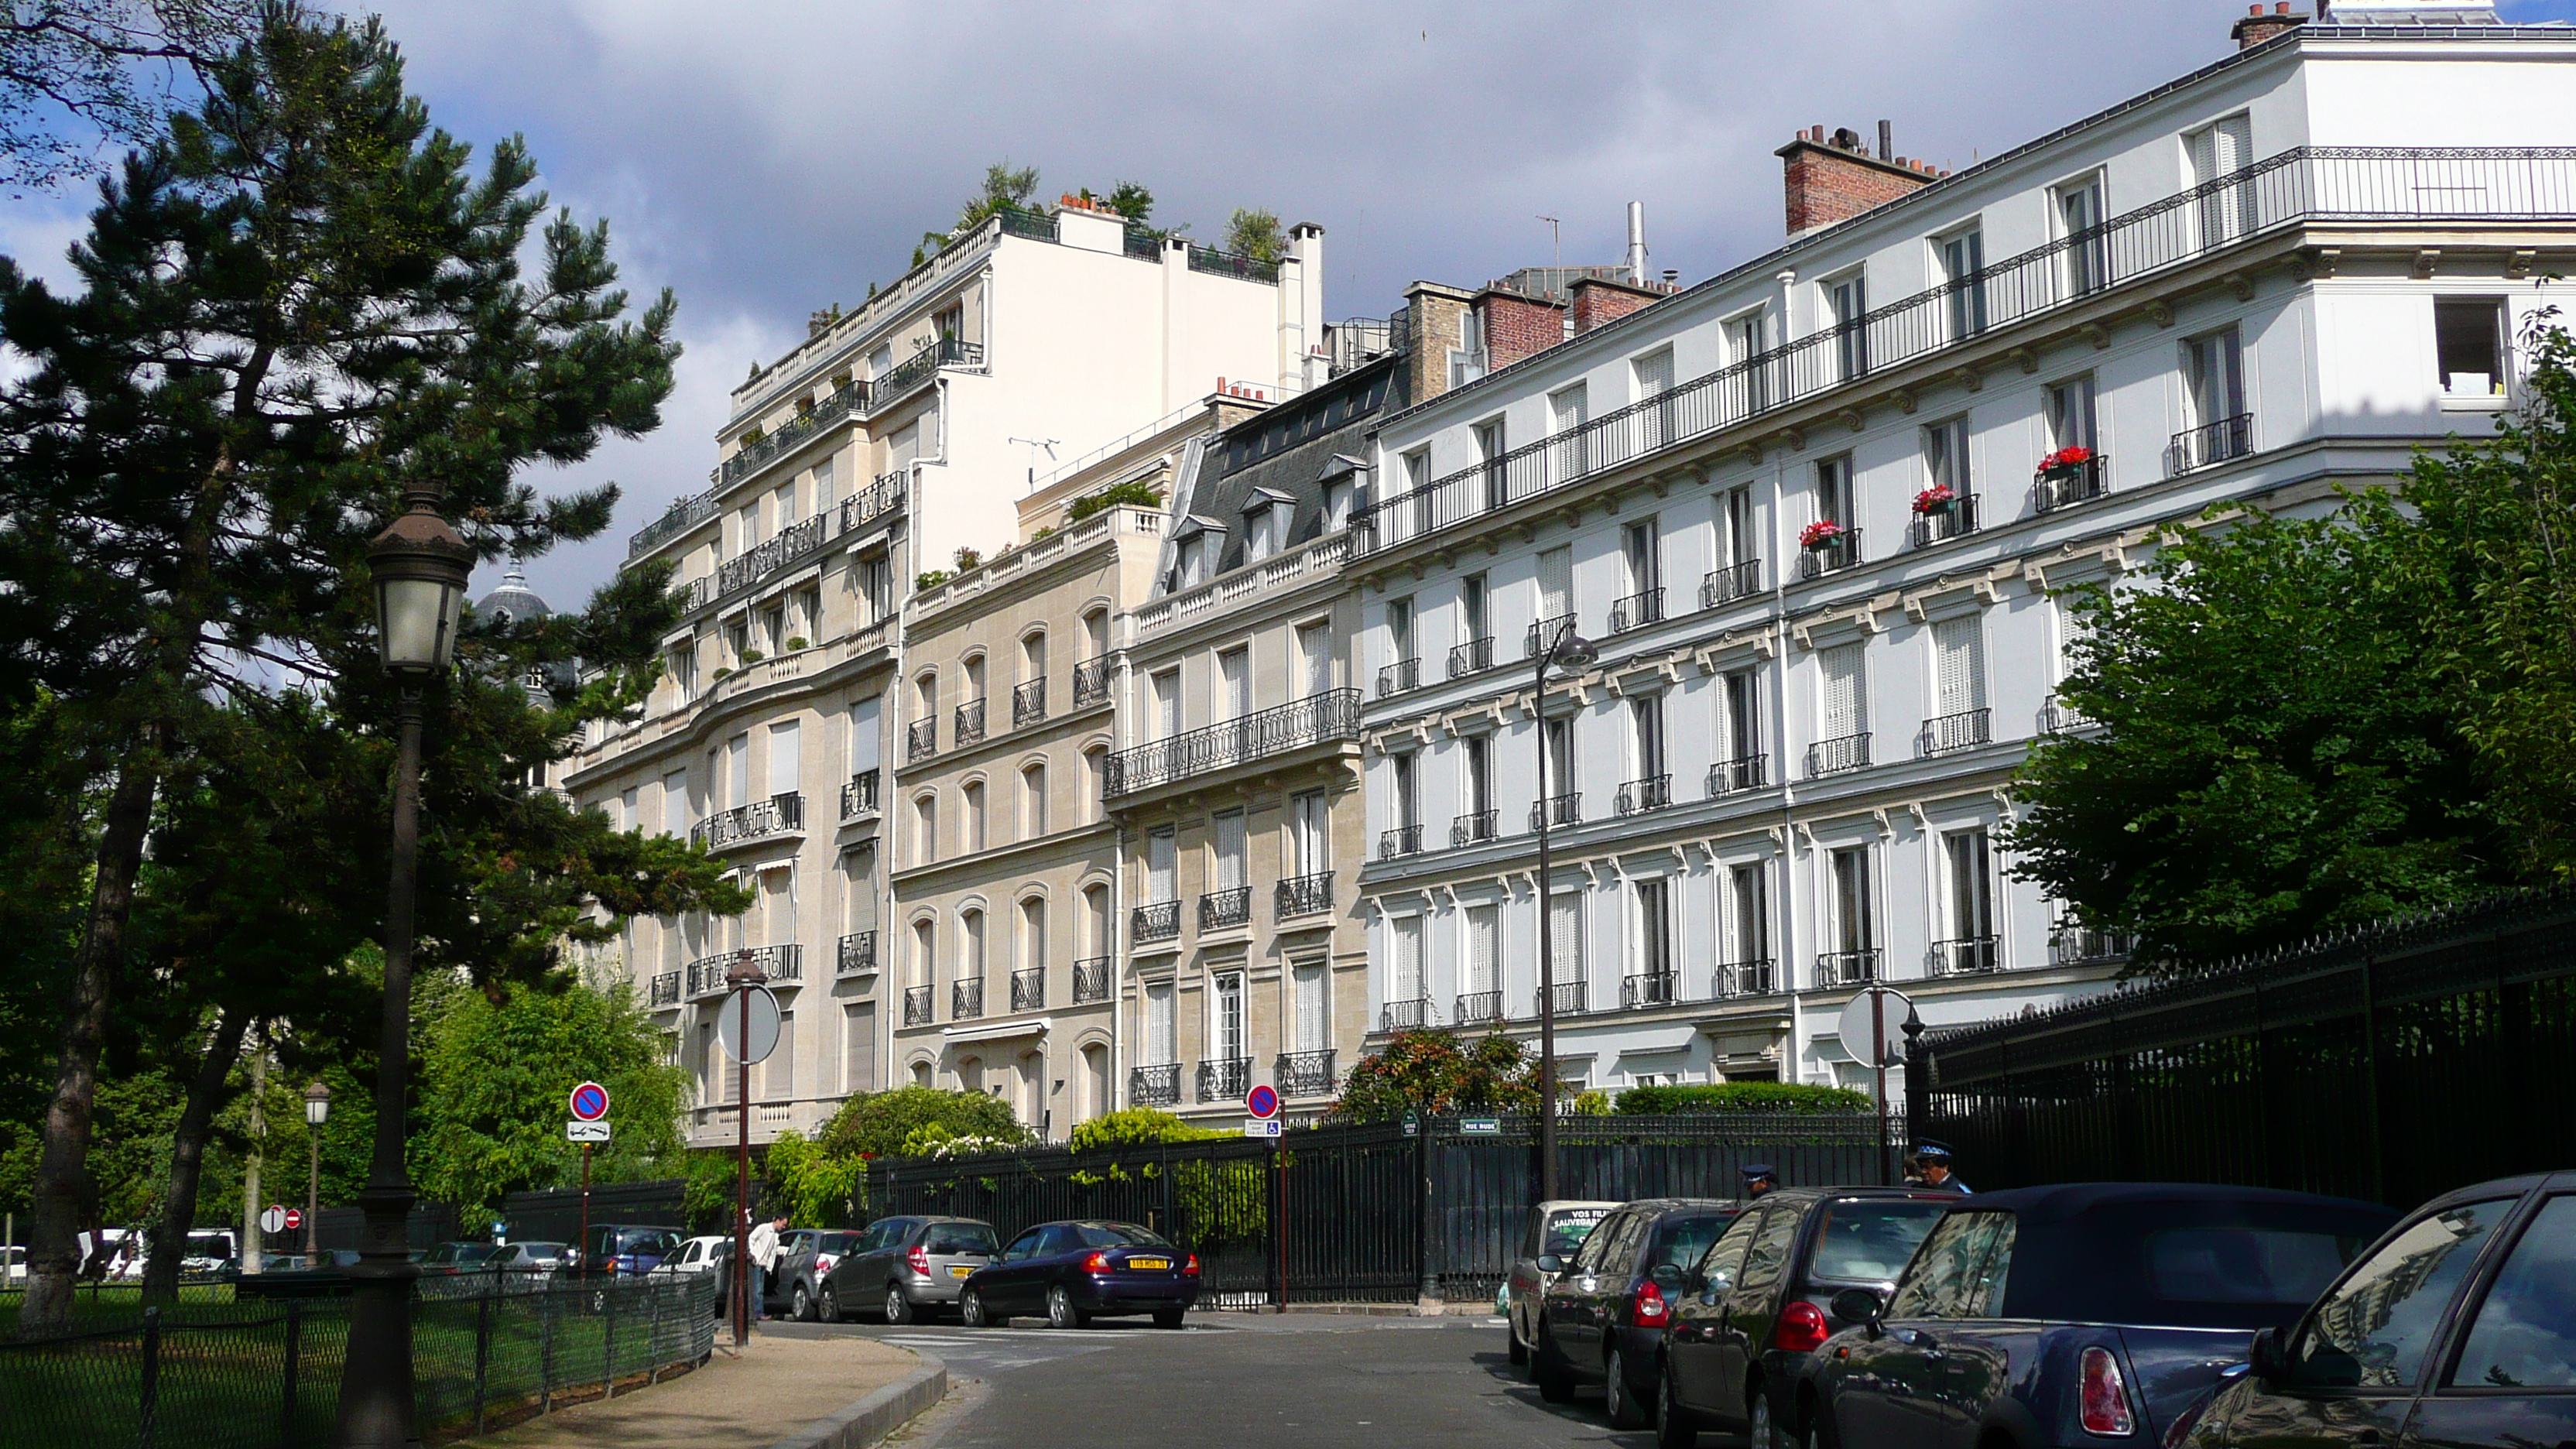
[376, 1410]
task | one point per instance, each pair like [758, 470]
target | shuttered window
[1958, 665]
[1565, 930]
[1405, 982]
[1163, 865]
[1311, 1034]
[1480, 953]
[1229, 851]
[1841, 707]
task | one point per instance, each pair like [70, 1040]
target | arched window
[970, 945]
[1033, 656]
[972, 832]
[921, 1074]
[925, 829]
[1098, 935]
[1095, 783]
[925, 952]
[1032, 952]
[1033, 802]
[1095, 1081]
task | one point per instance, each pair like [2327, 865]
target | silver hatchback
[906, 1267]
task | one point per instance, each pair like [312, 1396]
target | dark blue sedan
[2097, 1313]
[1076, 1271]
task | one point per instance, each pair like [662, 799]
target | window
[1473, 624]
[1162, 1038]
[2524, 1335]
[1033, 802]
[1963, 266]
[1641, 546]
[1032, 945]
[1646, 718]
[1945, 456]
[1163, 864]
[1834, 502]
[1748, 917]
[1725, 1258]
[1850, 929]
[1338, 494]
[1405, 800]
[1737, 542]
[823, 485]
[925, 830]
[859, 1047]
[1231, 866]
[1484, 929]
[972, 805]
[1099, 938]
[1315, 657]
[1033, 658]
[1490, 445]
[675, 803]
[1190, 560]
[779, 1075]
[1095, 782]
[1958, 666]
[2079, 220]
[783, 510]
[1233, 685]
[1166, 689]
[1768, 1254]
[2376, 1326]
[974, 678]
[1565, 937]
[970, 945]
[1313, 1033]
[1560, 758]
[1655, 939]
[866, 744]
[1095, 633]
[784, 767]
[1744, 338]
[925, 952]
[1847, 303]
[2469, 346]
[1971, 896]
[2214, 377]
[1841, 708]
[1555, 584]
[1741, 697]
[1654, 378]
[1404, 980]
[737, 771]
[2219, 151]
[2070, 414]
[1477, 753]
[1231, 1042]
[1950, 1275]
[1467, 360]
[1307, 833]
[1571, 454]
[876, 586]
[1399, 630]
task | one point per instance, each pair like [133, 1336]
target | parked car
[907, 1267]
[1075, 1271]
[2458, 1329]
[13, 1263]
[2057, 1315]
[448, 1258]
[796, 1279]
[1556, 1230]
[709, 1256]
[527, 1259]
[621, 1248]
[1603, 1318]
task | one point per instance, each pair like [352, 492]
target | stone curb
[877, 1415]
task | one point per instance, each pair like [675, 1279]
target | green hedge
[1741, 1097]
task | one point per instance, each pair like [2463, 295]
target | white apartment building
[863, 460]
[1782, 779]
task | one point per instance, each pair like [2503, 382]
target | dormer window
[1266, 517]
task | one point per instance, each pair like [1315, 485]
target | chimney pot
[2280, 7]
[1886, 139]
[2253, 9]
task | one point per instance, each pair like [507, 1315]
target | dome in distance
[513, 602]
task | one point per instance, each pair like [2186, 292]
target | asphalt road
[1296, 1381]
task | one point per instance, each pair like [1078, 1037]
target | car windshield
[543, 1250]
[1683, 1241]
[1118, 1235]
[836, 1242]
[1567, 1228]
[958, 1238]
[1869, 1241]
[478, 1253]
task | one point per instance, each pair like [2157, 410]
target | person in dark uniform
[1932, 1170]
[1759, 1179]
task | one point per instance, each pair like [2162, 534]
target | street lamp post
[317, 1109]
[1573, 651]
[420, 566]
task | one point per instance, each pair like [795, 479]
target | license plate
[1164, 1263]
[959, 1270]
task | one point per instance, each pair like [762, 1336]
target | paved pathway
[779, 1384]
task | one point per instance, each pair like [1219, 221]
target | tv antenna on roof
[1046, 443]
[1556, 243]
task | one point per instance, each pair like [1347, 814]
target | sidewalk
[751, 1400]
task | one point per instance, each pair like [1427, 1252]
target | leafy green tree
[1435, 1072]
[813, 1187]
[77, 76]
[1256, 234]
[1136, 1127]
[1005, 189]
[879, 1124]
[292, 307]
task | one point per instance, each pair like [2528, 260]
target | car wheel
[1555, 1376]
[1060, 1310]
[1519, 1349]
[800, 1305]
[1675, 1426]
[1759, 1430]
[1167, 1318]
[898, 1309]
[970, 1309]
[1619, 1398]
[830, 1305]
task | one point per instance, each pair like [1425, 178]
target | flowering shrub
[2065, 458]
[1934, 498]
[1819, 533]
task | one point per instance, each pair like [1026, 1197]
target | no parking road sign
[589, 1102]
[1262, 1102]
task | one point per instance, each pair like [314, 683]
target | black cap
[1932, 1151]
[1755, 1172]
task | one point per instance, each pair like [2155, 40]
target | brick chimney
[2260, 25]
[1598, 300]
[1828, 178]
[1517, 326]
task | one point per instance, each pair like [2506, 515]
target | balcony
[916, 1005]
[679, 518]
[1225, 909]
[777, 815]
[2214, 443]
[970, 724]
[1159, 921]
[921, 739]
[1569, 997]
[1957, 520]
[1475, 828]
[1332, 715]
[1028, 704]
[1544, 634]
[1398, 677]
[1473, 657]
[663, 990]
[1028, 989]
[1653, 988]
[1402, 840]
[1636, 797]
[1730, 777]
[788, 546]
[1637, 611]
[1835, 554]
[1845, 968]
[878, 499]
[1558, 810]
[1302, 895]
[783, 965]
[913, 371]
[1304, 1074]
[1090, 682]
[2064, 719]
[966, 998]
[859, 797]
[2069, 484]
[1479, 1007]
[1733, 582]
[1746, 978]
[1225, 1079]
[1832, 757]
[1947, 733]
[1411, 1015]
[1233, 264]
[1155, 1086]
[858, 955]
[1091, 979]
[2071, 944]
[848, 398]
[1966, 956]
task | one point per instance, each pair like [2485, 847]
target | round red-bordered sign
[589, 1102]
[1262, 1102]
[294, 1219]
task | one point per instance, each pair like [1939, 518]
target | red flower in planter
[2066, 458]
[1819, 533]
[1934, 498]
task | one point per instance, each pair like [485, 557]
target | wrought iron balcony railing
[1473, 657]
[1316, 719]
[879, 498]
[1832, 757]
[1302, 895]
[777, 815]
[784, 965]
[789, 545]
[2070, 484]
[1475, 828]
[917, 369]
[2299, 186]
[848, 398]
[859, 797]
[1966, 956]
[1155, 921]
[1155, 1086]
[1728, 777]
[1412, 1014]
[1652, 988]
[1956, 521]
[1733, 582]
[1637, 611]
[679, 518]
[1028, 704]
[921, 739]
[1636, 797]
[970, 723]
[1398, 677]
[1840, 552]
[1090, 682]
[1944, 733]
[1401, 840]
[1565, 809]
[2211, 443]
[1233, 264]
[1747, 978]
[1028, 989]
[1225, 1079]
[1569, 997]
[1304, 1074]
[1846, 968]
[1219, 910]
[2076, 945]
[858, 954]
[664, 990]
[1091, 979]
[2061, 719]
[966, 998]
[916, 1005]
[1479, 1006]
[1544, 634]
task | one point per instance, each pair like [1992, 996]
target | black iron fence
[265, 1374]
[1331, 715]
[1374, 1212]
[2389, 1064]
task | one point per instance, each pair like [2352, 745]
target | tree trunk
[255, 1159]
[53, 1249]
[188, 1157]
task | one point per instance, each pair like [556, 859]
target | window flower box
[1820, 534]
[1939, 498]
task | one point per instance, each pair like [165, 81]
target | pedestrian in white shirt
[763, 1251]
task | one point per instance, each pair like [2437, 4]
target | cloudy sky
[765, 158]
